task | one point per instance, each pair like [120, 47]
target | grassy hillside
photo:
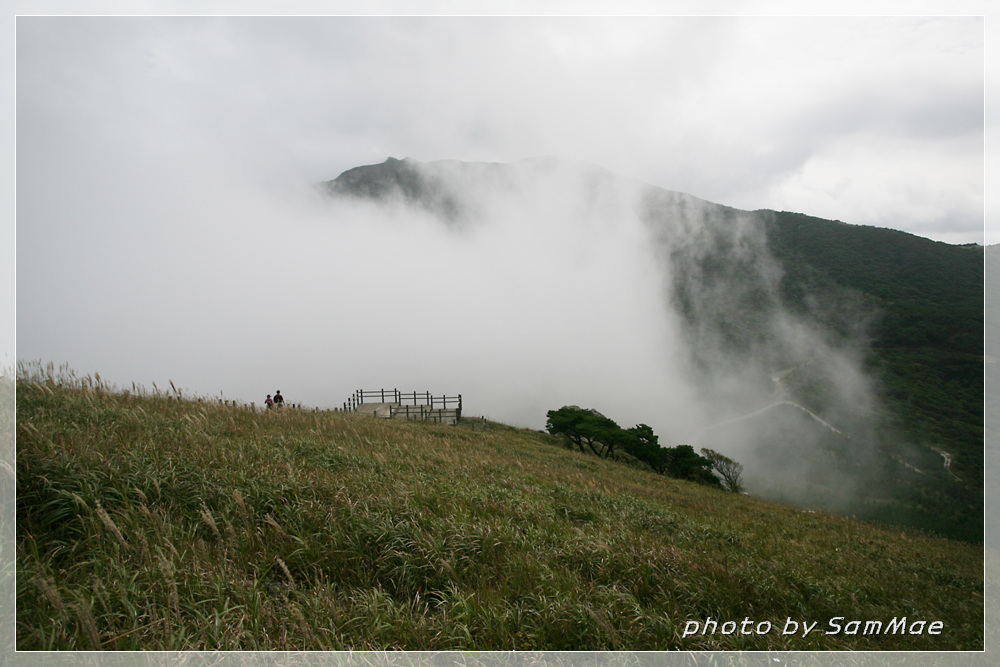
[149, 522]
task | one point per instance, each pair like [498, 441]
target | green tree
[585, 427]
[685, 463]
[729, 470]
[589, 429]
[643, 444]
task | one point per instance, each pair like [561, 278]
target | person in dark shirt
[279, 400]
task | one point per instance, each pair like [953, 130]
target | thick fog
[778, 388]
[550, 297]
[553, 287]
[553, 283]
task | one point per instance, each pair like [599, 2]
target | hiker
[278, 399]
[268, 402]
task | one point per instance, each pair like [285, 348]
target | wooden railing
[411, 405]
[424, 413]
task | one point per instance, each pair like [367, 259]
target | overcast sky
[868, 120]
[150, 148]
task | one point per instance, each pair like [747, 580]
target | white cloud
[152, 152]
[929, 189]
[724, 108]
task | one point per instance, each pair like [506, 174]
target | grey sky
[870, 120]
[154, 154]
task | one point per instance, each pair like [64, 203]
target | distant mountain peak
[405, 180]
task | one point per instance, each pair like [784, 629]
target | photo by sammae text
[838, 625]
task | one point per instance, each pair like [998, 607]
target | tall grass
[149, 520]
[7, 488]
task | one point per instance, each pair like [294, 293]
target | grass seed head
[284, 568]
[52, 595]
[206, 516]
[107, 521]
[87, 624]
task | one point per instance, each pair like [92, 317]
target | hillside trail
[778, 397]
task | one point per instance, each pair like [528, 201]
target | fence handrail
[394, 396]
[417, 409]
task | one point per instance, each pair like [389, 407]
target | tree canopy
[589, 430]
[585, 427]
[729, 470]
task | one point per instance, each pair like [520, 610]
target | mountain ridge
[763, 290]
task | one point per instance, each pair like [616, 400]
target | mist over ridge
[533, 285]
[661, 308]
[717, 303]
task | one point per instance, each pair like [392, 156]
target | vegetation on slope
[153, 523]
[928, 339]
[925, 300]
